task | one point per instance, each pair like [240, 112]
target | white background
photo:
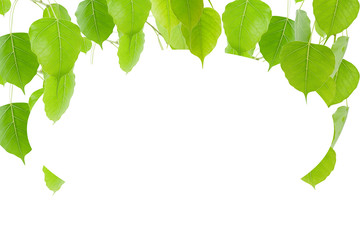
[172, 151]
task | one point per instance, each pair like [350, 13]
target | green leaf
[188, 11]
[52, 181]
[328, 91]
[56, 43]
[280, 32]
[129, 15]
[13, 129]
[94, 20]
[177, 40]
[130, 49]
[297, 1]
[248, 54]
[35, 97]
[18, 64]
[339, 118]
[302, 27]
[56, 11]
[319, 30]
[339, 49]
[5, 6]
[334, 16]
[307, 66]
[57, 95]
[321, 171]
[164, 16]
[203, 37]
[245, 21]
[85, 45]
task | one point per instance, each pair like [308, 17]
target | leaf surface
[339, 49]
[328, 91]
[56, 11]
[130, 49]
[188, 12]
[302, 27]
[5, 6]
[35, 97]
[339, 118]
[52, 181]
[177, 40]
[164, 15]
[85, 45]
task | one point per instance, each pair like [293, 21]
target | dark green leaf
[56, 11]
[130, 49]
[302, 27]
[52, 181]
[5, 6]
[188, 11]
[35, 97]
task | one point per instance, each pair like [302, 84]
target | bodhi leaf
[280, 32]
[129, 15]
[339, 49]
[319, 30]
[94, 20]
[302, 27]
[334, 16]
[307, 66]
[56, 11]
[328, 91]
[164, 16]
[245, 21]
[203, 37]
[18, 64]
[248, 54]
[57, 95]
[130, 49]
[13, 129]
[188, 11]
[85, 45]
[56, 43]
[5, 6]
[52, 181]
[339, 118]
[35, 97]
[177, 40]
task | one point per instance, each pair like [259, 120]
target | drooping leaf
[13, 129]
[322, 170]
[5, 6]
[328, 91]
[56, 11]
[203, 37]
[85, 45]
[130, 49]
[129, 15]
[302, 27]
[339, 118]
[56, 43]
[35, 97]
[188, 12]
[57, 95]
[339, 49]
[334, 16]
[94, 20]
[231, 50]
[319, 30]
[307, 66]
[52, 181]
[177, 40]
[164, 16]
[18, 64]
[245, 21]
[281, 31]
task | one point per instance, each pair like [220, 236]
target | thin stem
[92, 54]
[52, 9]
[211, 4]
[11, 89]
[40, 76]
[154, 28]
[158, 34]
[288, 8]
[301, 5]
[12, 15]
[115, 44]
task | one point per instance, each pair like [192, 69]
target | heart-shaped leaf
[52, 181]
[130, 49]
[5, 6]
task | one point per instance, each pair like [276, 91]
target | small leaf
[130, 49]
[56, 11]
[57, 95]
[177, 40]
[5, 6]
[18, 64]
[307, 66]
[328, 91]
[188, 11]
[52, 181]
[203, 37]
[13, 129]
[339, 49]
[85, 45]
[35, 97]
[164, 16]
[319, 30]
[94, 20]
[129, 15]
[245, 21]
[339, 118]
[302, 27]
[280, 32]
[248, 54]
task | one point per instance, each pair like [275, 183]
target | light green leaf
[13, 129]
[5, 6]
[339, 49]
[56, 43]
[35, 97]
[56, 11]
[245, 21]
[248, 54]
[328, 91]
[321, 171]
[57, 95]
[130, 49]
[18, 64]
[339, 118]
[164, 16]
[188, 11]
[94, 20]
[319, 30]
[52, 181]
[297, 1]
[85, 45]
[280, 32]
[302, 27]
[129, 15]
[177, 40]
[334, 16]
[203, 37]
[307, 66]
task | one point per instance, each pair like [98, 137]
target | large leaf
[188, 11]
[5, 6]
[52, 181]
[302, 27]
[18, 64]
[203, 37]
[164, 16]
[129, 15]
[56, 43]
[57, 95]
[13, 129]
[339, 118]
[339, 49]
[94, 20]
[307, 66]
[280, 32]
[130, 49]
[334, 16]
[177, 40]
[35, 97]
[245, 21]
[56, 11]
